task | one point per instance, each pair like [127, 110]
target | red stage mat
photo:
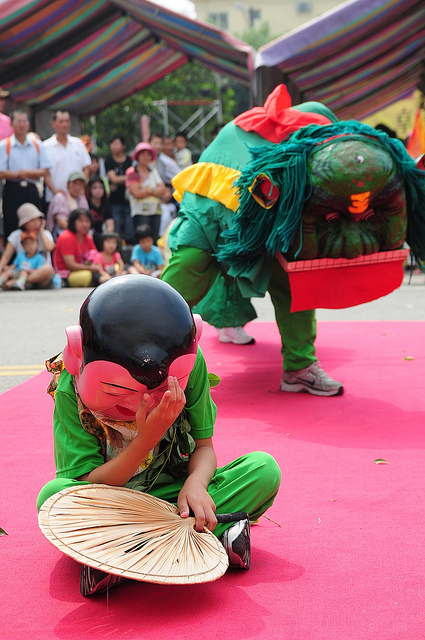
[342, 555]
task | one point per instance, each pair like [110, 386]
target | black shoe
[236, 540]
[96, 581]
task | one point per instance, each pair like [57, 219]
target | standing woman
[100, 208]
[145, 189]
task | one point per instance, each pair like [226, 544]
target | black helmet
[140, 323]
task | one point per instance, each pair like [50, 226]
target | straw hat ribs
[131, 534]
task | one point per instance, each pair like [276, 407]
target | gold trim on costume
[210, 180]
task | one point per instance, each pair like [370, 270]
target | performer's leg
[249, 483]
[54, 486]
[297, 330]
[224, 305]
[302, 372]
[191, 272]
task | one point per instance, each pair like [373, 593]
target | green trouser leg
[192, 272]
[249, 484]
[56, 485]
[196, 275]
[224, 305]
[297, 330]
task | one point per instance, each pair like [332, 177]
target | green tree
[257, 36]
[191, 82]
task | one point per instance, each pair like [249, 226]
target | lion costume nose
[359, 208]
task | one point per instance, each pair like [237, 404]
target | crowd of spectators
[70, 218]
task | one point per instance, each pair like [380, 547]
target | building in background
[281, 15]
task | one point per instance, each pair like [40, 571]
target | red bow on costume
[277, 119]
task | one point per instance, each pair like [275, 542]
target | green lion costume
[292, 182]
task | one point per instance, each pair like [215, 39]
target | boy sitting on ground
[146, 258]
[133, 408]
[15, 276]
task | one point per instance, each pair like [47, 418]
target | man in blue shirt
[23, 161]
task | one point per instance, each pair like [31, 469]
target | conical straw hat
[131, 534]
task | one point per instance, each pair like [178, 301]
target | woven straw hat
[131, 534]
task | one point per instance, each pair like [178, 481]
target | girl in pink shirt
[109, 257]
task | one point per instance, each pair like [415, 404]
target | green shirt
[77, 452]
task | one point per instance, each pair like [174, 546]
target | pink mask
[108, 388]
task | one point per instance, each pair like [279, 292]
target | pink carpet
[342, 556]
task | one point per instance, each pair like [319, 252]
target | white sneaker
[237, 335]
[313, 380]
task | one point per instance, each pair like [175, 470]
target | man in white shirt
[68, 154]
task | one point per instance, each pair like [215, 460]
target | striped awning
[84, 55]
[357, 58]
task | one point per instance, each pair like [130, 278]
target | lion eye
[360, 159]
[264, 192]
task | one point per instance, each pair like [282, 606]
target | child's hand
[194, 496]
[157, 420]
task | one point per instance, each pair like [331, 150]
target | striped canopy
[84, 55]
[356, 59]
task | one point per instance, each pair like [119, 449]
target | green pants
[192, 273]
[224, 305]
[249, 483]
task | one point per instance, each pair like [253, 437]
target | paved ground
[33, 322]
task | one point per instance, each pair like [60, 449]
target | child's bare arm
[194, 494]
[140, 268]
[121, 267]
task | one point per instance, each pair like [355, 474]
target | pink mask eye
[109, 389]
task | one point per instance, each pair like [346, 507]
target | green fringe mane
[255, 230]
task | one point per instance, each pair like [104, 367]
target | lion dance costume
[291, 185]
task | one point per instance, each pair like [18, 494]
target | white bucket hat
[27, 212]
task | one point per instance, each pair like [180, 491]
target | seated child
[133, 408]
[146, 258]
[169, 209]
[109, 257]
[15, 276]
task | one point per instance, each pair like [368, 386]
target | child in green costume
[133, 408]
